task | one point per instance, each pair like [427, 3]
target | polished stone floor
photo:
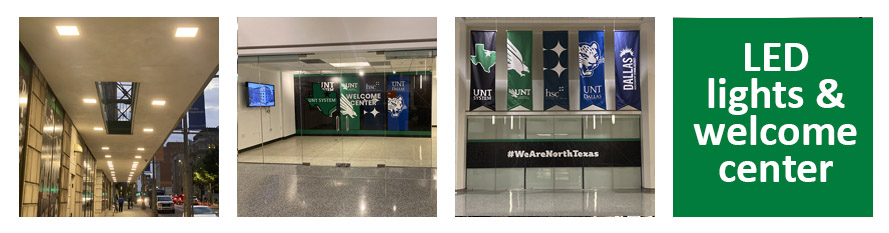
[285, 190]
[359, 151]
[597, 202]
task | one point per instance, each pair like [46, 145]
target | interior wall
[334, 34]
[461, 71]
[260, 124]
[646, 66]
[646, 42]
[435, 97]
[288, 113]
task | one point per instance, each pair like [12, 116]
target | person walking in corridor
[120, 204]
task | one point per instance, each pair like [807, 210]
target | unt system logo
[551, 154]
[327, 86]
[485, 58]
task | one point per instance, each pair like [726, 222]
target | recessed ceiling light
[89, 101]
[186, 32]
[350, 64]
[158, 102]
[138, 156]
[140, 149]
[107, 156]
[97, 128]
[105, 148]
[68, 30]
[148, 130]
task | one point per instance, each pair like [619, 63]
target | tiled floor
[285, 190]
[555, 203]
[359, 151]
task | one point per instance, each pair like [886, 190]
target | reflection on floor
[281, 190]
[597, 202]
[358, 150]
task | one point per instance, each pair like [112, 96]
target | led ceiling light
[350, 64]
[68, 30]
[186, 32]
[158, 102]
[148, 130]
[97, 128]
[89, 101]
[105, 148]
[140, 149]
[138, 156]
[107, 156]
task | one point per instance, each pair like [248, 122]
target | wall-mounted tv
[260, 95]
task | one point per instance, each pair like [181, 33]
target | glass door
[250, 128]
[320, 122]
[282, 142]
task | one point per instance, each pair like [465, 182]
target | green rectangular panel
[754, 167]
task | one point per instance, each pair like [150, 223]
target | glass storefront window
[363, 108]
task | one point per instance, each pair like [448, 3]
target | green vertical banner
[518, 69]
[773, 117]
[349, 103]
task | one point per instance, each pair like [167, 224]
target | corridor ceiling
[143, 50]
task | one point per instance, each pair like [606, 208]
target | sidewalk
[136, 211]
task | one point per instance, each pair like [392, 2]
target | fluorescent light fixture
[148, 130]
[68, 30]
[138, 156]
[105, 148]
[350, 64]
[107, 156]
[97, 128]
[158, 102]
[186, 32]
[89, 101]
[140, 149]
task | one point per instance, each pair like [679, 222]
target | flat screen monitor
[260, 95]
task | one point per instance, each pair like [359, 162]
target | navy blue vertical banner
[592, 69]
[555, 64]
[483, 58]
[373, 102]
[626, 72]
[398, 99]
